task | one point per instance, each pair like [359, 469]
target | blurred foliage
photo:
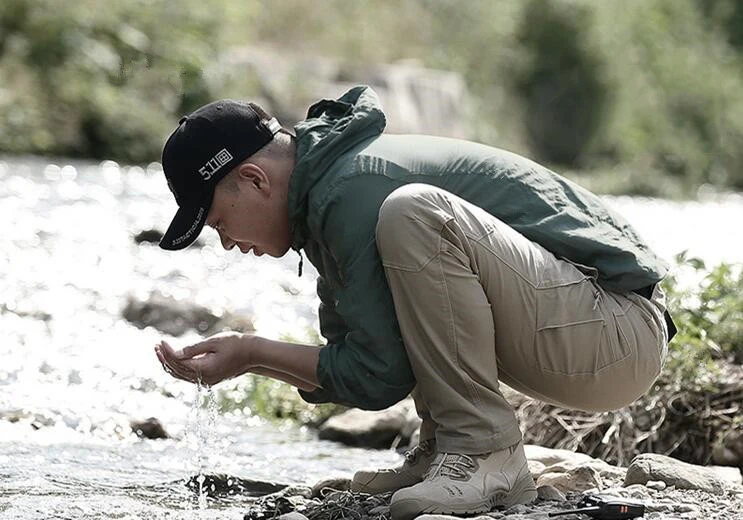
[275, 400]
[272, 400]
[651, 90]
[562, 82]
[709, 318]
[100, 79]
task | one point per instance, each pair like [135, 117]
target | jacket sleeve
[332, 326]
[367, 366]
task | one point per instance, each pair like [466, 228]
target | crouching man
[445, 267]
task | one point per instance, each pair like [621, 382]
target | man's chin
[280, 253]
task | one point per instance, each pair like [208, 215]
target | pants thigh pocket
[576, 332]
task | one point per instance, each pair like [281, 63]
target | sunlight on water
[75, 374]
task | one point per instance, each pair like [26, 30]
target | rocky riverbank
[668, 488]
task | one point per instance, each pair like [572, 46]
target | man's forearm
[286, 378]
[289, 362]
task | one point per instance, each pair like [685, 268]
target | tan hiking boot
[417, 461]
[459, 484]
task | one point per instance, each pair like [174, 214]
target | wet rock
[268, 508]
[169, 315]
[234, 322]
[150, 428]
[148, 236]
[651, 466]
[73, 378]
[296, 492]
[580, 478]
[550, 493]
[220, 485]
[322, 488]
[35, 420]
[176, 317]
[36, 315]
[372, 429]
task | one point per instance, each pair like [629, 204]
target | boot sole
[524, 492]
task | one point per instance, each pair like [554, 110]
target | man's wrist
[248, 357]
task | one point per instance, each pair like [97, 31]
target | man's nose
[227, 242]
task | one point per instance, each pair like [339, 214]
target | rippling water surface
[74, 373]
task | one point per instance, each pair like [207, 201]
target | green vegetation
[647, 92]
[272, 400]
[709, 317]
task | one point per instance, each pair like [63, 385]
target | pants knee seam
[475, 395]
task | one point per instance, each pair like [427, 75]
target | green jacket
[345, 169]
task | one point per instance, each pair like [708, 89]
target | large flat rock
[651, 466]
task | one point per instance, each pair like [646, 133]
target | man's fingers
[173, 366]
[194, 350]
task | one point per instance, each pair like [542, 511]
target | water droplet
[52, 172]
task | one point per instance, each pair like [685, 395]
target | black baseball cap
[207, 145]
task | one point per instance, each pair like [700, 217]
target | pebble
[637, 491]
[292, 516]
[516, 510]
[686, 508]
[657, 485]
[550, 493]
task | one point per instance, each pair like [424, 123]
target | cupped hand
[210, 361]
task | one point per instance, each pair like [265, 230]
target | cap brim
[185, 227]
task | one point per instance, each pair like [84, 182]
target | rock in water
[148, 236]
[651, 466]
[150, 428]
[169, 315]
[226, 485]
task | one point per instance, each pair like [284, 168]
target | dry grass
[680, 423]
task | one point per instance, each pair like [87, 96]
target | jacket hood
[331, 128]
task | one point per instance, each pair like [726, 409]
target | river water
[74, 373]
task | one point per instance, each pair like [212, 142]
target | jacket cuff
[317, 396]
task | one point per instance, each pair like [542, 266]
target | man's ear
[255, 175]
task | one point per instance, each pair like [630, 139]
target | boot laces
[453, 465]
[424, 448]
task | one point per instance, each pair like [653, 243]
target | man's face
[248, 212]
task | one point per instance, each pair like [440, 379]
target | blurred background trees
[640, 94]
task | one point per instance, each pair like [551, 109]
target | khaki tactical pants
[479, 303]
